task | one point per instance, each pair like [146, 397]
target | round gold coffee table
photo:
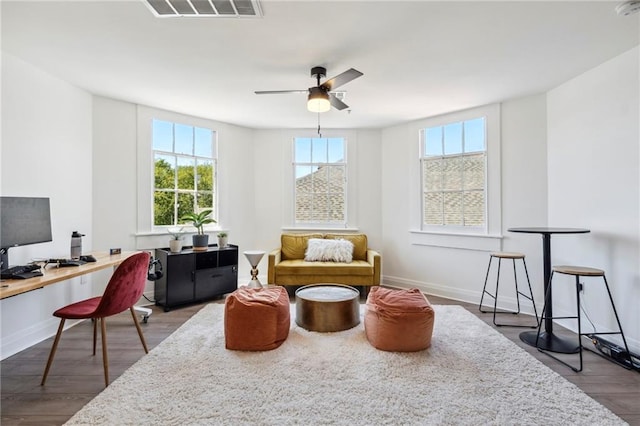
[327, 307]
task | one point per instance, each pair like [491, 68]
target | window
[454, 174]
[320, 180]
[184, 160]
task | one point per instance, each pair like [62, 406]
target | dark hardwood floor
[76, 377]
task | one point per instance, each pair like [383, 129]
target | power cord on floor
[584, 311]
[609, 350]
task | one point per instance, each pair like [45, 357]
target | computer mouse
[88, 258]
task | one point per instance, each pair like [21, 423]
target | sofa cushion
[359, 241]
[326, 250]
[293, 246]
[300, 267]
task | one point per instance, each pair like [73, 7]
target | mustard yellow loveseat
[287, 265]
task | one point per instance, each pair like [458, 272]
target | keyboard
[63, 263]
[21, 272]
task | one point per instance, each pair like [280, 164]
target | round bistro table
[547, 340]
[327, 307]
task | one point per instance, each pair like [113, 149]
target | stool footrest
[578, 272]
[499, 312]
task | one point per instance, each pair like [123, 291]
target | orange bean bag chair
[256, 319]
[398, 320]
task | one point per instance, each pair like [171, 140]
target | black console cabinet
[192, 276]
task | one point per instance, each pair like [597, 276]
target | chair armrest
[373, 257]
[275, 257]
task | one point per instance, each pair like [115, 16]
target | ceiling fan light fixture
[318, 100]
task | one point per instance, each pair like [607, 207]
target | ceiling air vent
[205, 8]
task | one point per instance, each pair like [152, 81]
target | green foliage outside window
[188, 199]
[184, 171]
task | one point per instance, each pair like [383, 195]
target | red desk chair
[123, 291]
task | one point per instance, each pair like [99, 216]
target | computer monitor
[23, 221]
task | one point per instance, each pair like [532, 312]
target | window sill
[190, 231]
[158, 239]
[481, 242]
[319, 228]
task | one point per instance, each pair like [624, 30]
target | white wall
[81, 151]
[273, 184]
[114, 177]
[251, 176]
[459, 273]
[524, 182]
[588, 125]
[594, 176]
[118, 194]
[46, 152]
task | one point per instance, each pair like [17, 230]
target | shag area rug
[471, 375]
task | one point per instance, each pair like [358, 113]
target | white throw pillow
[315, 250]
[321, 250]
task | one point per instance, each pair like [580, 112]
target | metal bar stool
[513, 257]
[580, 271]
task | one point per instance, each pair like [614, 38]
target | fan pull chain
[319, 134]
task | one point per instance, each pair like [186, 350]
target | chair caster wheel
[146, 312]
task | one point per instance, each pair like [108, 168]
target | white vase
[222, 242]
[175, 246]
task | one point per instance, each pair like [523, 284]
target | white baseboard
[462, 295]
[506, 303]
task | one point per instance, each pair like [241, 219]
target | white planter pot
[175, 246]
[222, 242]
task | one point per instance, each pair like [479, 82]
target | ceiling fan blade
[340, 79]
[337, 103]
[278, 92]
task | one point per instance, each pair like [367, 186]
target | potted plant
[175, 243]
[198, 220]
[222, 239]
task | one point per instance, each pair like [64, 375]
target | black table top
[547, 230]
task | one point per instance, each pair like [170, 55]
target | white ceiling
[419, 58]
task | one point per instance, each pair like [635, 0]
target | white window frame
[474, 238]
[175, 190]
[288, 212]
[424, 158]
[145, 173]
[343, 164]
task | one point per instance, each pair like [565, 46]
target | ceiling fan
[320, 97]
